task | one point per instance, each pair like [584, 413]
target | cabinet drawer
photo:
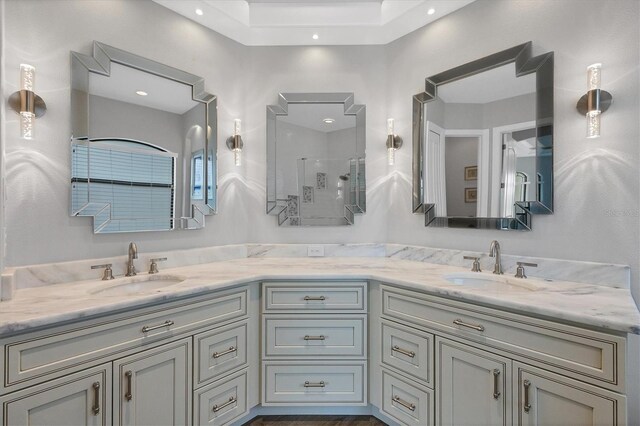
[406, 402]
[597, 356]
[311, 384]
[326, 335]
[315, 296]
[408, 350]
[222, 401]
[218, 351]
[51, 351]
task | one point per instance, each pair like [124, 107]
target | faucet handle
[476, 263]
[520, 270]
[108, 272]
[153, 268]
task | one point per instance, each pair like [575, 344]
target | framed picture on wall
[471, 195]
[471, 173]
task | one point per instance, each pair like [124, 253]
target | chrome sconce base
[394, 142]
[234, 143]
[594, 100]
[27, 101]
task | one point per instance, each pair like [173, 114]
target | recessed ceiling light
[315, 36]
[329, 120]
[199, 12]
[141, 93]
[431, 11]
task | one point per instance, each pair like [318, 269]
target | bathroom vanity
[386, 337]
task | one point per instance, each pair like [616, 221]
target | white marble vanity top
[588, 304]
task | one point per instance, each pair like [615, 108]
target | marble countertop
[587, 304]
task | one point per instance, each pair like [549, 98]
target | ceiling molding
[294, 22]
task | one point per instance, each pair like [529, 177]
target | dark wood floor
[315, 421]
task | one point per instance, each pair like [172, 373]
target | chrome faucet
[494, 251]
[133, 254]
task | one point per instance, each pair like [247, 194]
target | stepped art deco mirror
[143, 144]
[316, 159]
[483, 142]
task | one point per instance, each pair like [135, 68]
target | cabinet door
[78, 399]
[473, 386]
[153, 387]
[545, 398]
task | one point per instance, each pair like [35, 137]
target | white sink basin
[489, 281]
[136, 285]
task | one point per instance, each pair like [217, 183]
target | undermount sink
[489, 281]
[136, 285]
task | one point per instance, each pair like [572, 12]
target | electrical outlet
[315, 251]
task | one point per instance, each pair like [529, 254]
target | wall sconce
[394, 142]
[26, 103]
[594, 102]
[234, 143]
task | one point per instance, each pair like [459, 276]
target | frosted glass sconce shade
[26, 103]
[234, 143]
[394, 142]
[595, 101]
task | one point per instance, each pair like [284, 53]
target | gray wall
[2, 141]
[460, 153]
[38, 173]
[596, 181]
[595, 217]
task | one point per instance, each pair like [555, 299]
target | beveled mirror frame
[542, 65]
[100, 63]
[277, 207]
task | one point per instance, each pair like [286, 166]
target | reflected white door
[507, 202]
[435, 181]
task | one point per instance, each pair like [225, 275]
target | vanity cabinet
[314, 343]
[496, 368]
[544, 398]
[473, 386]
[80, 399]
[153, 387]
[64, 375]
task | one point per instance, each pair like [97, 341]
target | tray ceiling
[295, 22]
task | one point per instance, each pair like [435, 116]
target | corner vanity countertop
[591, 305]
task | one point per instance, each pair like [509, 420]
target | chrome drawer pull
[231, 400]
[96, 399]
[129, 395]
[410, 354]
[405, 404]
[321, 337]
[313, 385]
[464, 324]
[496, 375]
[148, 328]
[527, 405]
[228, 351]
[320, 298]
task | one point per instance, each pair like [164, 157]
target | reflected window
[126, 185]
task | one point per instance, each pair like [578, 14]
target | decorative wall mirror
[483, 142]
[316, 159]
[143, 144]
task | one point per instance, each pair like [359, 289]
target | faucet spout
[133, 254]
[494, 251]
